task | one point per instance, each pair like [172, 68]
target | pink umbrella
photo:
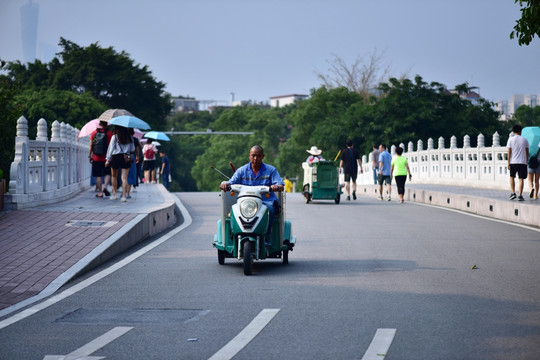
[157, 143]
[138, 133]
[89, 128]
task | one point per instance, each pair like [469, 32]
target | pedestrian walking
[350, 161]
[518, 154]
[374, 158]
[165, 169]
[533, 170]
[400, 169]
[385, 167]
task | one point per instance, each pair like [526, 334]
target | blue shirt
[386, 160]
[267, 175]
[166, 169]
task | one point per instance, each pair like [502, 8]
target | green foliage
[526, 116]
[182, 150]
[111, 78]
[406, 111]
[9, 113]
[528, 26]
[62, 105]
[222, 149]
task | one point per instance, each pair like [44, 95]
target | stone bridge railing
[482, 167]
[47, 171]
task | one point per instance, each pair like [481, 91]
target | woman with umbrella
[149, 163]
[119, 157]
[149, 152]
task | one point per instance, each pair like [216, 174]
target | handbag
[128, 159]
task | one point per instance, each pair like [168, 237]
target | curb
[512, 211]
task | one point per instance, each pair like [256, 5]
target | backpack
[99, 145]
[149, 153]
[533, 162]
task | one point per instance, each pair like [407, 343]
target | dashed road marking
[246, 335]
[380, 344]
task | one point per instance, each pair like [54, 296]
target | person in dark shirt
[165, 169]
[350, 161]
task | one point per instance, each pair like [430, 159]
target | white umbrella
[112, 113]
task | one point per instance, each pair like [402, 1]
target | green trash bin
[321, 181]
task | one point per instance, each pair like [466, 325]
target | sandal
[99, 196]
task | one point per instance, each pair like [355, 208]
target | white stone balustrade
[482, 167]
[47, 171]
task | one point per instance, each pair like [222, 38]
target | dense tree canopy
[528, 26]
[111, 78]
[75, 88]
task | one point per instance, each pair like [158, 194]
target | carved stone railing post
[19, 167]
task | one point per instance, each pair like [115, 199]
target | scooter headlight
[249, 208]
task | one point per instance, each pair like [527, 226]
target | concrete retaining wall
[513, 211]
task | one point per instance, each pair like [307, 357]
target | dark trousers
[400, 183]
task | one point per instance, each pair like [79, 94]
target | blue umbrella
[156, 135]
[129, 122]
[532, 134]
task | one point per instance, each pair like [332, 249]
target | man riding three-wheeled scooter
[252, 224]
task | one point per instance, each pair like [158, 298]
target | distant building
[502, 107]
[472, 96]
[517, 101]
[184, 105]
[531, 100]
[29, 29]
[283, 100]
[508, 108]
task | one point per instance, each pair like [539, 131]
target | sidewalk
[484, 202]
[42, 248]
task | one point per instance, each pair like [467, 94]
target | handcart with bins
[321, 181]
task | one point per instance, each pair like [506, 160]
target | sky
[256, 49]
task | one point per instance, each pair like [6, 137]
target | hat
[314, 151]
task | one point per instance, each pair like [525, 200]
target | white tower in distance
[29, 26]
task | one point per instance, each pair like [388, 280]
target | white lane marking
[380, 344]
[484, 217]
[91, 280]
[85, 351]
[246, 335]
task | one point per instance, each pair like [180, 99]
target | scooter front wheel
[248, 258]
[221, 257]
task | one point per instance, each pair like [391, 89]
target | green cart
[321, 181]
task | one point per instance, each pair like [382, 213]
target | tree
[361, 76]
[62, 105]
[9, 113]
[526, 116]
[183, 150]
[222, 149]
[110, 77]
[528, 26]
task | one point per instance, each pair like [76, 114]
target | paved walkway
[39, 245]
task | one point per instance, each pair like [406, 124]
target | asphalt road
[368, 279]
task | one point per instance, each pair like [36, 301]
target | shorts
[384, 179]
[533, 171]
[349, 177]
[149, 165]
[117, 162]
[520, 169]
[99, 169]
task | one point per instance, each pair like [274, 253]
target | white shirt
[518, 144]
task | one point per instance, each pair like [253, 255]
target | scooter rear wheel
[248, 258]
